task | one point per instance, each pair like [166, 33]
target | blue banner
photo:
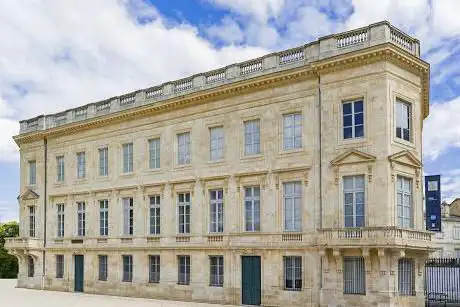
[433, 202]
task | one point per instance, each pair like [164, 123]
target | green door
[251, 285]
[79, 273]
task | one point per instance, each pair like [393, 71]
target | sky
[57, 54]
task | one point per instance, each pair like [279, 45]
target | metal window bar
[292, 273]
[154, 268]
[216, 271]
[406, 277]
[127, 268]
[441, 280]
[103, 265]
[354, 276]
[184, 270]
[59, 266]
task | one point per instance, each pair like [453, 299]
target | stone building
[293, 179]
[447, 241]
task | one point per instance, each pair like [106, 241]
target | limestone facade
[374, 65]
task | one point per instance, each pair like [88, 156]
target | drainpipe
[320, 181]
[45, 200]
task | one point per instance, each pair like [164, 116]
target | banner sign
[433, 202]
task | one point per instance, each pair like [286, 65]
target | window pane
[347, 108]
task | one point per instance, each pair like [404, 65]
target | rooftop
[325, 47]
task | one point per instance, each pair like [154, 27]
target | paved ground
[11, 296]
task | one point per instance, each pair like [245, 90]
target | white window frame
[60, 220]
[184, 263]
[292, 272]
[154, 268]
[405, 219]
[59, 266]
[103, 162]
[295, 200]
[128, 216]
[81, 165]
[154, 153]
[104, 217]
[128, 163]
[292, 134]
[401, 118]
[32, 172]
[81, 219]
[252, 206]
[216, 271]
[216, 211]
[155, 215]
[252, 140]
[182, 227]
[32, 221]
[183, 148]
[354, 191]
[103, 267]
[60, 170]
[127, 270]
[353, 123]
[216, 143]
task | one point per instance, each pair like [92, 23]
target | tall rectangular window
[30, 266]
[60, 220]
[292, 131]
[81, 165]
[59, 266]
[127, 268]
[216, 150]
[32, 172]
[406, 276]
[103, 265]
[155, 214]
[128, 158]
[252, 208]
[31, 221]
[128, 216]
[292, 273]
[404, 202]
[154, 268]
[252, 137]
[183, 148]
[81, 219]
[184, 270]
[60, 169]
[354, 277]
[216, 271]
[353, 200]
[104, 217]
[154, 153]
[103, 162]
[216, 211]
[403, 120]
[292, 196]
[353, 119]
[183, 211]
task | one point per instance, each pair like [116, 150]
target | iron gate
[442, 280]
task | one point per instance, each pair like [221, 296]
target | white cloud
[441, 129]
[261, 10]
[8, 149]
[229, 31]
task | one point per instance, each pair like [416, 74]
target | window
[127, 268]
[353, 119]
[252, 208]
[457, 253]
[183, 148]
[81, 212]
[103, 162]
[184, 212]
[292, 131]
[404, 202]
[216, 210]
[60, 169]
[216, 135]
[31, 221]
[184, 270]
[59, 266]
[128, 216]
[217, 271]
[32, 172]
[354, 278]
[353, 200]
[406, 276]
[154, 153]
[81, 161]
[30, 266]
[252, 137]
[155, 214]
[128, 158]
[60, 220]
[292, 206]
[455, 233]
[293, 273]
[154, 268]
[403, 120]
[104, 217]
[103, 267]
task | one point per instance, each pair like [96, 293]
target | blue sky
[61, 54]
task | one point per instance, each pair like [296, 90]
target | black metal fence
[442, 280]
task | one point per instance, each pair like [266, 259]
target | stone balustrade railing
[324, 47]
[23, 243]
